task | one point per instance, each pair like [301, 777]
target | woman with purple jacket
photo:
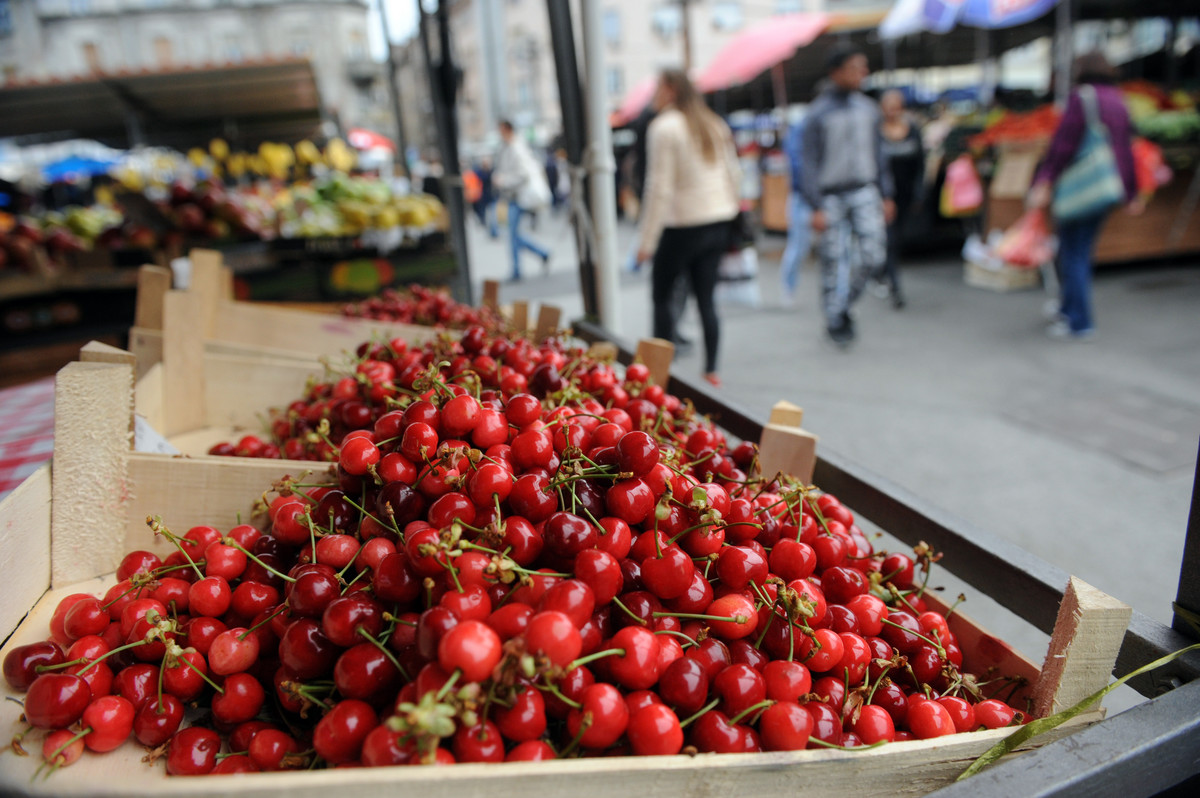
[1077, 238]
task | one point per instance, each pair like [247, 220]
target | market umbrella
[363, 139]
[941, 16]
[76, 166]
[749, 54]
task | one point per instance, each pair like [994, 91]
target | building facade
[42, 40]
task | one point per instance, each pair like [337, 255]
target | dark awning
[255, 102]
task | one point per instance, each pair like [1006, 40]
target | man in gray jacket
[847, 183]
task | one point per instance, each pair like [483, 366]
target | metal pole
[394, 90]
[443, 82]
[686, 30]
[1063, 45]
[603, 168]
[574, 120]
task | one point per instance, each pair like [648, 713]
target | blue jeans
[799, 239]
[1075, 243]
[519, 241]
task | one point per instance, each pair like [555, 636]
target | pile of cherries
[520, 554]
[420, 304]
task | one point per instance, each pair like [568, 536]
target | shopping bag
[962, 191]
[737, 279]
[1149, 167]
[1028, 242]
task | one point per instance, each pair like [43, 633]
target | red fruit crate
[65, 529]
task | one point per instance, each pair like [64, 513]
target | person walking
[1094, 105]
[692, 179]
[905, 156]
[519, 178]
[847, 183]
[799, 219]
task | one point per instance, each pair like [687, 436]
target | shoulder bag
[1091, 185]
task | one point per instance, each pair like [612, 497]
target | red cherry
[339, 735]
[654, 731]
[56, 700]
[471, 647]
[193, 751]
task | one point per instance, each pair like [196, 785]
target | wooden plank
[788, 450]
[604, 350]
[183, 364]
[657, 354]
[188, 491]
[25, 553]
[99, 352]
[786, 414]
[1087, 638]
[225, 284]
[491, 294]
[207, 284]
[153, 283]
[240, 390]
[146, 345]
[92, 407]
[548, 320]
[520, 315]
[148, 397]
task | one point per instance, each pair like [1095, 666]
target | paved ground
[1082, 453]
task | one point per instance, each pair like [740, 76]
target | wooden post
[788, 450]
[786, 414]
[93, 403]
[97, 352]
[603, 350]
[208, 284]
[547, 322]
[225, 285]
[657, 354]
[153, 283]
[1083, 649]
[183, 364]
[491, 294]
[520, 316]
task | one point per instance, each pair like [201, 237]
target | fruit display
[521, 554]
[425, 305]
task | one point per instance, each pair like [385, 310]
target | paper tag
[147, 439]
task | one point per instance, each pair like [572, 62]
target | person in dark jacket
[906, 161]
[847, 184]
[1077, 238]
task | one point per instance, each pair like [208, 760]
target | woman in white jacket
[691, 200]
[520, 179]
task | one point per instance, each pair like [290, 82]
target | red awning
[761, 47]
[363, 139]
[635, 101]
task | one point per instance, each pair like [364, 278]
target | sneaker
[880, 289]
[841, 334]
[712, 379]
[1062, 330]
[546, 263]
[1052, 310]
[898, 302]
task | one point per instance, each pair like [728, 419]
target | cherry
[56, 700]
[567, 534]
[654, 731]
[684, 685]
[339, 735]
[929, 719]
[233, 651]
[22, 662]
[637, 667]
[786, 681]
[531, 751]
[110, 719]
[994, 714]
[193, 751]
[554, 635]
[62, 747]
[785, 726]
[481, 742]
[827, 724]
[471, 647]
[157, 719]
[365, 672]
[603, 705]
[525, 719]
[269, 748]
[241, 700]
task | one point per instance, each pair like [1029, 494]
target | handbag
[962, 192]
[1091, 185]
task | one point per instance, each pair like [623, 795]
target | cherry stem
[108, 654]
[690, 641]
[363, 633]
[709, 707]
[584, 660]
[628, 611]
[449, 685]
[823, 744]
[931, 641]
[263, 622]
[749, 711]
[738, 619]
[233, 543]
[159, 528]
[584, 725]
[202, 675]
[553, 690]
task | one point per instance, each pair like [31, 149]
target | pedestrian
[692, 178]
[520, 179]
[799, 219]
[847, 183]
[1097, 104]
[905, 155]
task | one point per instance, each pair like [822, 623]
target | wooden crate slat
[25, 553]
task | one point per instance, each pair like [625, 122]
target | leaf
[1043, 725]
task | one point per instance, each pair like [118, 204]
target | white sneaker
[787, 300]
[1062, 330]
[1051, 310]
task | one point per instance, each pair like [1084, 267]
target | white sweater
[683, 189]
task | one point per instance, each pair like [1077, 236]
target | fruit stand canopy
[251, 103]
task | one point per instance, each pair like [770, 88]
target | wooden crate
[67, 526]
[248, 328]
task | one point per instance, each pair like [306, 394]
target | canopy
[635, 101]
[759, 48]
[250, 102]
[363, 139]
[941, 16]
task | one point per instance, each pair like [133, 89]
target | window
[162, 51]
[788, 6]
[614, 81]
[612, 27]
[6, 26]
[91, 56]
[666, 20]
[727, 15]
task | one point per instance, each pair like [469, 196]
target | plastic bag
[737, 279]
[962, 191]
[1028, 242]
[1149, 167]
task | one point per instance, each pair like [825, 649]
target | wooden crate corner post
[784, 447]
[491, 295]
[520, 316]
[1083, 648]
[209, 284]
[657, 354]
[548, 319]
[145, 337]
[183, 363]
[91, 491]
